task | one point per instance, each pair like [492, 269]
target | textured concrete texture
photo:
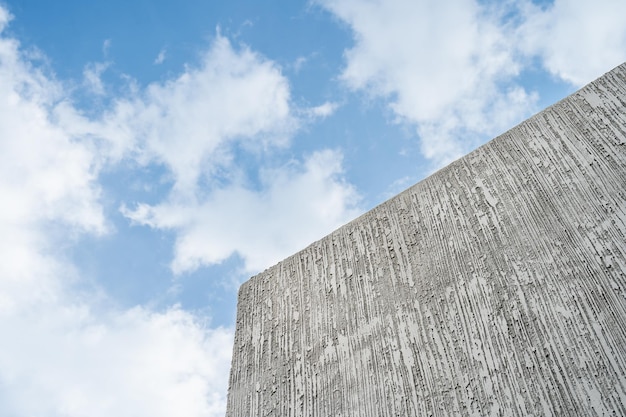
[494, 287]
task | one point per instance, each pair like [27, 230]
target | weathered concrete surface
[494, 287]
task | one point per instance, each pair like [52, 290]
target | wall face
[494, 287]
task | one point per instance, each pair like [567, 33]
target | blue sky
[154, 155]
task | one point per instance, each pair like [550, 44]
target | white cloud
[190, 123]
[60, 360]
[441, 65]
[5, 18]
[45, 179]
[577, 40]
[451, 68]
[45, 174]
[67, 352]
[296, 205]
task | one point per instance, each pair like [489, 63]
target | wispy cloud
[160, 57]
[92, 76]
[106, 47]
[323, 110]
[299, 63]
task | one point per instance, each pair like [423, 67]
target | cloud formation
[66, 349]
[63, 360]
[576, 40]
[440, 65]
[452, 69]
[92, 75]
[295, 205]
[160, 57]
[324, 110]
[198, 126]
[190, 123]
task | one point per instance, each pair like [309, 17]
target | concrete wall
[494, 287]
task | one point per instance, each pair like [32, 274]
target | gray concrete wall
[494, 287]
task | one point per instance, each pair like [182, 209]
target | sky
[154, 155]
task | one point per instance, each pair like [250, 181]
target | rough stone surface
[494, 287]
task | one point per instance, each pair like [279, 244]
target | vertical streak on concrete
[494, 287]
